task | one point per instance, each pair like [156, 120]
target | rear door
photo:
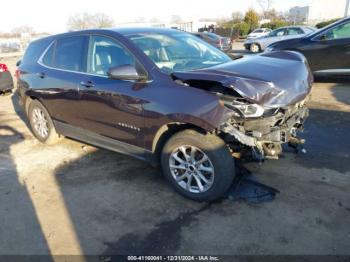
[58, 78]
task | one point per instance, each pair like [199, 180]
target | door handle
[87, 84]
[41, 75]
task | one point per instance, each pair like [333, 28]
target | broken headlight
[243, 108]
[250, 110]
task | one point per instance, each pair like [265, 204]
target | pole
[347, 8]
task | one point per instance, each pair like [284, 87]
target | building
[320, 10]
[299, 14]
[192, 26]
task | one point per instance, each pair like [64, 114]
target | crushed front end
[264, 97]
[265, 135]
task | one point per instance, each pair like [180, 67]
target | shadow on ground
[19, 221]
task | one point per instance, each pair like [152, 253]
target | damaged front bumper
[265, 135]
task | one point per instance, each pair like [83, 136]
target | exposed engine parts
[265, 135]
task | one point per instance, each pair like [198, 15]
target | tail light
[17, 73]
[3, 68]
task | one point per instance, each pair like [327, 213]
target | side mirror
[18, 63]
[125, 72]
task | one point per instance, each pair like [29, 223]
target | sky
[52, 16]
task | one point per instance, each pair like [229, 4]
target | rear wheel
[41, 123]
[198, 166]
[255, 48]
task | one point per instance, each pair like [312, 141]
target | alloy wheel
[192, 169]
[254, 48]
[40, 122]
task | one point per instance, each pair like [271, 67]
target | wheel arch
[168, 130]
[30, 96]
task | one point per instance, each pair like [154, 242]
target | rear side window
[294, 31]
[48, 57]
[68, 53]
[279, 32]
[34, 51]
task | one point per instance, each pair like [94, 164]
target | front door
[108, 107]
[330, 51]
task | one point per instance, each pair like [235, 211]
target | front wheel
[198, 166]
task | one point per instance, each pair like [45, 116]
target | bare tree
[265, 5]
[154, 20]
[237, 17]
[141, 19]
[18, 31]
[176, 19]
[86, 21]
[102, 20]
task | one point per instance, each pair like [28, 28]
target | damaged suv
[167, 97]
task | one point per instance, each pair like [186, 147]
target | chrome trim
[344, 70]
[40, 62]
[98, 140]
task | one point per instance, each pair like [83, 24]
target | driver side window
[339, 32]
[105, 53]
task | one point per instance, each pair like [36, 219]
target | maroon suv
[167, 97]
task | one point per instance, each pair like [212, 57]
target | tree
[265, 5]
[237, 17]
[176, 19]
[86, 21]
[102, 20]
[243, 28]
[154, 20]
[252, 19]
[18, 31]
[271, 14]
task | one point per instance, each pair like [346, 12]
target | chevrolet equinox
[167, 97]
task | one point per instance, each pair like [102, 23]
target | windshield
[258, 31]
[178, 51]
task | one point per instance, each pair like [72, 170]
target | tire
[50, 136]
[255, 48]
[219, 161]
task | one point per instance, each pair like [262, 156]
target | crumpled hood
[271, 80]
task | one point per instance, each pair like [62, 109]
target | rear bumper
[6, 81]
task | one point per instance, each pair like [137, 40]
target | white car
[259, 44]
[259, 33]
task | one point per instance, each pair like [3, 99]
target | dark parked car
[6, 81]
[327, 50]
[167, 97]
[223, 43]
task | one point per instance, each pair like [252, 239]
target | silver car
[259, 44]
